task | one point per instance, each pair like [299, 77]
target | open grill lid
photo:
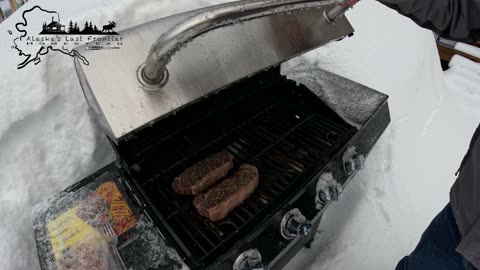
[261, 33]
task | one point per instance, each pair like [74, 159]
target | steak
[230, 193]
[197, 178]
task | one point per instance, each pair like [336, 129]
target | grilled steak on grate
[230, 193]
[197, 178]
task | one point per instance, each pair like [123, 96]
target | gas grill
[223, 92]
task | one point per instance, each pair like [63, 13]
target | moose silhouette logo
[109, 27]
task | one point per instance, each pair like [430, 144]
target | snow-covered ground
[48, 140]
[407, 178]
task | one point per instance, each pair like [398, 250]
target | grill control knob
[294, 224]
[353, 161]
[250, 260]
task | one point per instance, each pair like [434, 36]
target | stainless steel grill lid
[151, 76]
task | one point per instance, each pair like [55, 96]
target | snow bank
[468, 49]
[467, 64]
[463, 80]
[408, 175]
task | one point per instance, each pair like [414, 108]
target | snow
[468, 49]
[463, 77]
[49, 141]
[353, 102]
[408, 175]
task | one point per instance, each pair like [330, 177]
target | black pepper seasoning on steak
[197, 178]
[230, 193]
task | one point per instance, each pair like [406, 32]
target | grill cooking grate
[267, 121]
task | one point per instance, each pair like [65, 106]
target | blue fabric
[436, 249]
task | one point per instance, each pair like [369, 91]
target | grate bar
[191, 237]
[204, 237]
[150, 139]
[314, 139]
[325, 122]
[246, 211]
[320, 126]
[235, 214]
[210, 144]
[286, 134]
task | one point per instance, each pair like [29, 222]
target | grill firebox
[268, 121]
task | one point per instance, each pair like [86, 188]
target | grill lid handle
[153, 74]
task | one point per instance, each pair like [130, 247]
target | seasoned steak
[197, 178]
[230, 193]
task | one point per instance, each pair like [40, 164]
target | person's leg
[436, 249]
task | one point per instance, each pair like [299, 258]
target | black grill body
[273, 123]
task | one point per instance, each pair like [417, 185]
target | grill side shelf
[71, 219]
